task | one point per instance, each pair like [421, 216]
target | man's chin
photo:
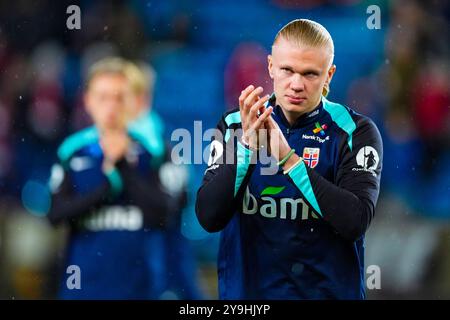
[298, 108]
[113, 126]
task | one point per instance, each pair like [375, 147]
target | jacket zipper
[288, 132]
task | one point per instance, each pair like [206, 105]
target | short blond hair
[141, 77]
[139, 82]
[306, 32]
[309, 33]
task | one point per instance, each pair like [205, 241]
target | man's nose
[297, 83]
[114, 105]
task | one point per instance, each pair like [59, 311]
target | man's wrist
[246, 144]
[108, 165]
[291, 162]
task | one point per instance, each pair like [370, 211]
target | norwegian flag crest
[311, 156]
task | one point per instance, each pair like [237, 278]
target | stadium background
[205, 53]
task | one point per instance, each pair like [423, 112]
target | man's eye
[286, 70]
[310, 74]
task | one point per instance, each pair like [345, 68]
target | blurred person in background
[167, 251]
[106, 187]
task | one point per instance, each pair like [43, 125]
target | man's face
[109, 101]
[142, 104]
[299, 74]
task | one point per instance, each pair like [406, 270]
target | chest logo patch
[311, 156]
[320, 129]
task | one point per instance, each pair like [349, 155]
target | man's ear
[270, 66]
[331, 72]
[86, 102]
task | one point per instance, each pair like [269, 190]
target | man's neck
[292, 117]
[106, 130]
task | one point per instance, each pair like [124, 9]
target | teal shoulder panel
[157, 121]
[147, 130]
[340, 115]
[76, 141]
[230, 119]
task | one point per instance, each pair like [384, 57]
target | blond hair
[309, 33]
[140, 82]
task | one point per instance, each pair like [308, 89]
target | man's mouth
[295, 100]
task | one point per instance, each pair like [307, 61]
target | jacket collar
[302, 121]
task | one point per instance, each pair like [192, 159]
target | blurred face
[142, 104]
[109, 100]
[299, 74]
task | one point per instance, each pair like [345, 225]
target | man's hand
[278, 145]
[115, 145]
[249, 105]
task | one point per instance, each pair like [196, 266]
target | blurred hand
[114, 144]
[249, 105]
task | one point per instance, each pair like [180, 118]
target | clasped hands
[260, 129]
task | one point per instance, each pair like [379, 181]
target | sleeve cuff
[244, 157]
[244, 154]
[115, 180]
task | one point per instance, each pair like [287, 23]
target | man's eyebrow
[305, 71]
[311, 70]
[286, 66]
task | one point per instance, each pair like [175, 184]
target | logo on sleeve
[367, 159]
[56, 178]
[81, 163]
[215, 152]
[311, 156]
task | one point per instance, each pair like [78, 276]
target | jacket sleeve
[174, 178]
[349, 204]
[145, 192]
[229, 168]
[65, 204]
